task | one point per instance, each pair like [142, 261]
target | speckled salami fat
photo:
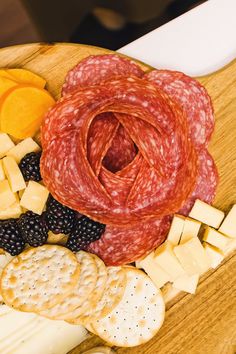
[167, 166]
[194, 100]
[122, 246]
[98, 68]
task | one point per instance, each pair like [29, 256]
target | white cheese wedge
[215, 255]
[228, 227]
[5, 144]
[23, 333]
[207, 214]
[2, 173]
[190, 229]
[7, 197]
[34, 197]
[13, 173]
[187, 283]
[215, 238]
[192, 257]
[176, 229]
[24, 147]
[153, 270]
[166, 259]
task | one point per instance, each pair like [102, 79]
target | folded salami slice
[71, 162]
[206, 184]
[121, 246]
[98, 68]
[192, 97]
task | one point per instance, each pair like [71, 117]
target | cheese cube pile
[183, 258]
[15, 196]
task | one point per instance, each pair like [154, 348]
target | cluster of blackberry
[33, 229]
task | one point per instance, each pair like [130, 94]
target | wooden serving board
[206, 322]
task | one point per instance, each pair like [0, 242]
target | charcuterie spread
[104, 194]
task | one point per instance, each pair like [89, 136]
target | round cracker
[114, 290]
[97, 292]
[85, 285]
[39, 278]
[138, 316]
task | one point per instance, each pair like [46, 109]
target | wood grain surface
[206, 322]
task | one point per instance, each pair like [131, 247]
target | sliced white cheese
[24, 147]
[13, 173]
[176, 229]
[34, 197]
[190, 229]
[2, 173]
[215, 238]
[207, 214]
[153, 270]
[228, 226]
[7, 197]
[215, 255]
[5, 144]
[192, 257]
[166, 259]
[187, 283]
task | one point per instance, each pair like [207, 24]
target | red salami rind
[98, 68]
[192, 97]
[206, 184]
[66, 129]
[119, 246]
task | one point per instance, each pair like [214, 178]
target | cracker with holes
[98, 291]
[137, 317]
[85, 285]
[113, 292]
[39, 278]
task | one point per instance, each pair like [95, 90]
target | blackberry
[10, 237]
[84, 232]
[30, 167]
[33, 229]
[59, 218]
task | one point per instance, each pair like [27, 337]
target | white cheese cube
[166, 259]
[154, 271]
[190, 229]
[13, 173]
[215, 255]
[2, 173]
[34, 197]
[207, 214]
[187, 283]
[5, 144]
[12, 212]
[228, 226]
[215, 238]
[176, 229]
[7, 197]
[192, 256]
[24, 147]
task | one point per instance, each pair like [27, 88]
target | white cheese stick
[190, 229]
[176, 229]
[215, 238]
[215, 255]
[187, 283]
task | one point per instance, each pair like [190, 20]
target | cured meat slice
[119, 246]
[192, 97]
[121, 152]
[98, 68]
[65, 165]
[206, 183]
[98, 142]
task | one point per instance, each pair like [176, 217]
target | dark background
[25, 21]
